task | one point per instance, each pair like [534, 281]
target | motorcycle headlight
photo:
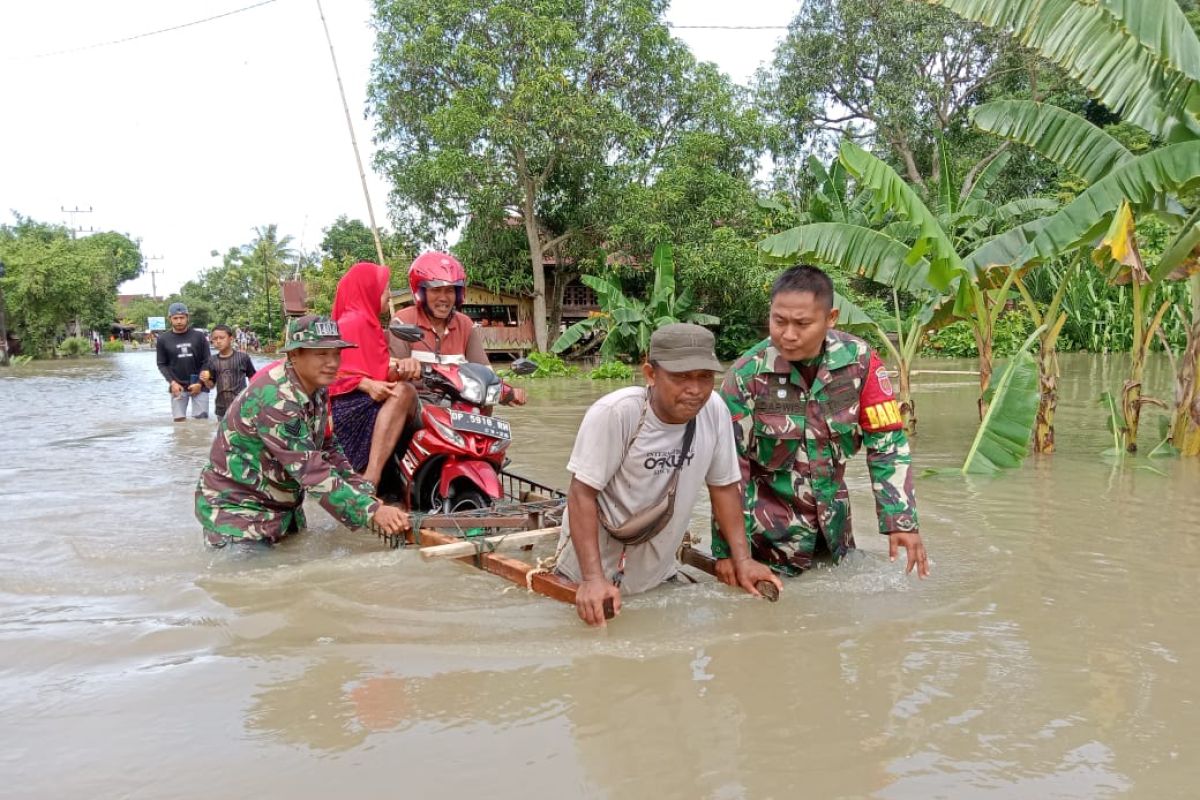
[493, 394]
[472, 391]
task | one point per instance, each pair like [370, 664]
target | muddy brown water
[1052, 654]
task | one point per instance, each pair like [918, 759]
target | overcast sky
[189, 139]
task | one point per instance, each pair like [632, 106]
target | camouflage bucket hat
[312, 331]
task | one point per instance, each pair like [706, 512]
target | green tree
[53, 281]
[345, 243]
[702, 200]
[894, 73]
[492, 106]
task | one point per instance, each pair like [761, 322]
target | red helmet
[437, 269]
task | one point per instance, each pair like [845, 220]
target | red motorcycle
[451, 458]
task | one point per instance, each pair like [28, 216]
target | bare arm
[476, 353]
[584, 514]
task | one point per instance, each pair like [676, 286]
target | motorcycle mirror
[403, 332]
[523, 366]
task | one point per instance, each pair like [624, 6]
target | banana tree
[1050, 322]
[1120, 182]
[1140, 58]
[1119, 246]
[919, 252]
[627, 322]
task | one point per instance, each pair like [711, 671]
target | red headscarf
[356, 311]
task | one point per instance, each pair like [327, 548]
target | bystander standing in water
[227, 370]
[182, 352]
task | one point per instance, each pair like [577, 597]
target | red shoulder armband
[878, 409]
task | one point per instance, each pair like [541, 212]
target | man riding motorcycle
[438, 283]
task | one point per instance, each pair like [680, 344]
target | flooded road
[1052, 654]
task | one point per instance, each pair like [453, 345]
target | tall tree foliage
[345, 243]
[895, 73]
[487, 108]
[53, 280]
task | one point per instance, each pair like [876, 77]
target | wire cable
[727, 27]
[135, 37]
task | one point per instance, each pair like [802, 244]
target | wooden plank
[704, 562]
[549, 584]
[489, 544]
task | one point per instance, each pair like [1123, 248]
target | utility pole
[3, 322]
[77, 210]
[152, 272]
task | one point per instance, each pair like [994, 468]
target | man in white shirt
[623, 524]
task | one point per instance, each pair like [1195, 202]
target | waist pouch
[645, 524]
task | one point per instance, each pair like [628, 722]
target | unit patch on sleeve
[879, 409]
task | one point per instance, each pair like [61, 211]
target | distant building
[505, 320]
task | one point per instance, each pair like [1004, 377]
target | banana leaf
[1002, 441]
[663, 261]
[866, 252]
[891, 192]
[1161, 26]
[1093, 47]
[571, 336]
[986, 177]
[854, 319]
[1115, 422]
[1065, 138]
[1009, 212]
[1168, 169]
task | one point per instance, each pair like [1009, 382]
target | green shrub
[958, 340]
[612, 371]
[17, 361]
[74, 346]
[549, 366]
[114, 346]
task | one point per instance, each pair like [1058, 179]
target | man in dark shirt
[182, 353]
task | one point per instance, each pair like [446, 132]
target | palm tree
[272, 255]
[1140, 58]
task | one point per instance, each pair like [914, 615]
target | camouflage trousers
[795, 553]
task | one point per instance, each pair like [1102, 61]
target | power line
[137, 36]
[727, 27]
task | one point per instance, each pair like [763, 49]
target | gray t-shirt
[628, 482]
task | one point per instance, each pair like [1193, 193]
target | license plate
[480, 423]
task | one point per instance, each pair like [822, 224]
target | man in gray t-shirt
[626, 453]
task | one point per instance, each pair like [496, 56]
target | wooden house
[505, 320]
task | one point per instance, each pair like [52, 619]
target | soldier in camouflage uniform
[274, 445]
[804, 401]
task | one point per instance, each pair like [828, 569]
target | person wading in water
[639, 461]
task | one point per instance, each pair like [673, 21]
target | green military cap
[314, 331]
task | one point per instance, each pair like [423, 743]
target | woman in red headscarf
[369, 410]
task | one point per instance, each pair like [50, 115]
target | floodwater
[1052, 653]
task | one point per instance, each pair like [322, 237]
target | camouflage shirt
[273, 446]
[793, 442]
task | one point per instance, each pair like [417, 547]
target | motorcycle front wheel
[467, 498]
